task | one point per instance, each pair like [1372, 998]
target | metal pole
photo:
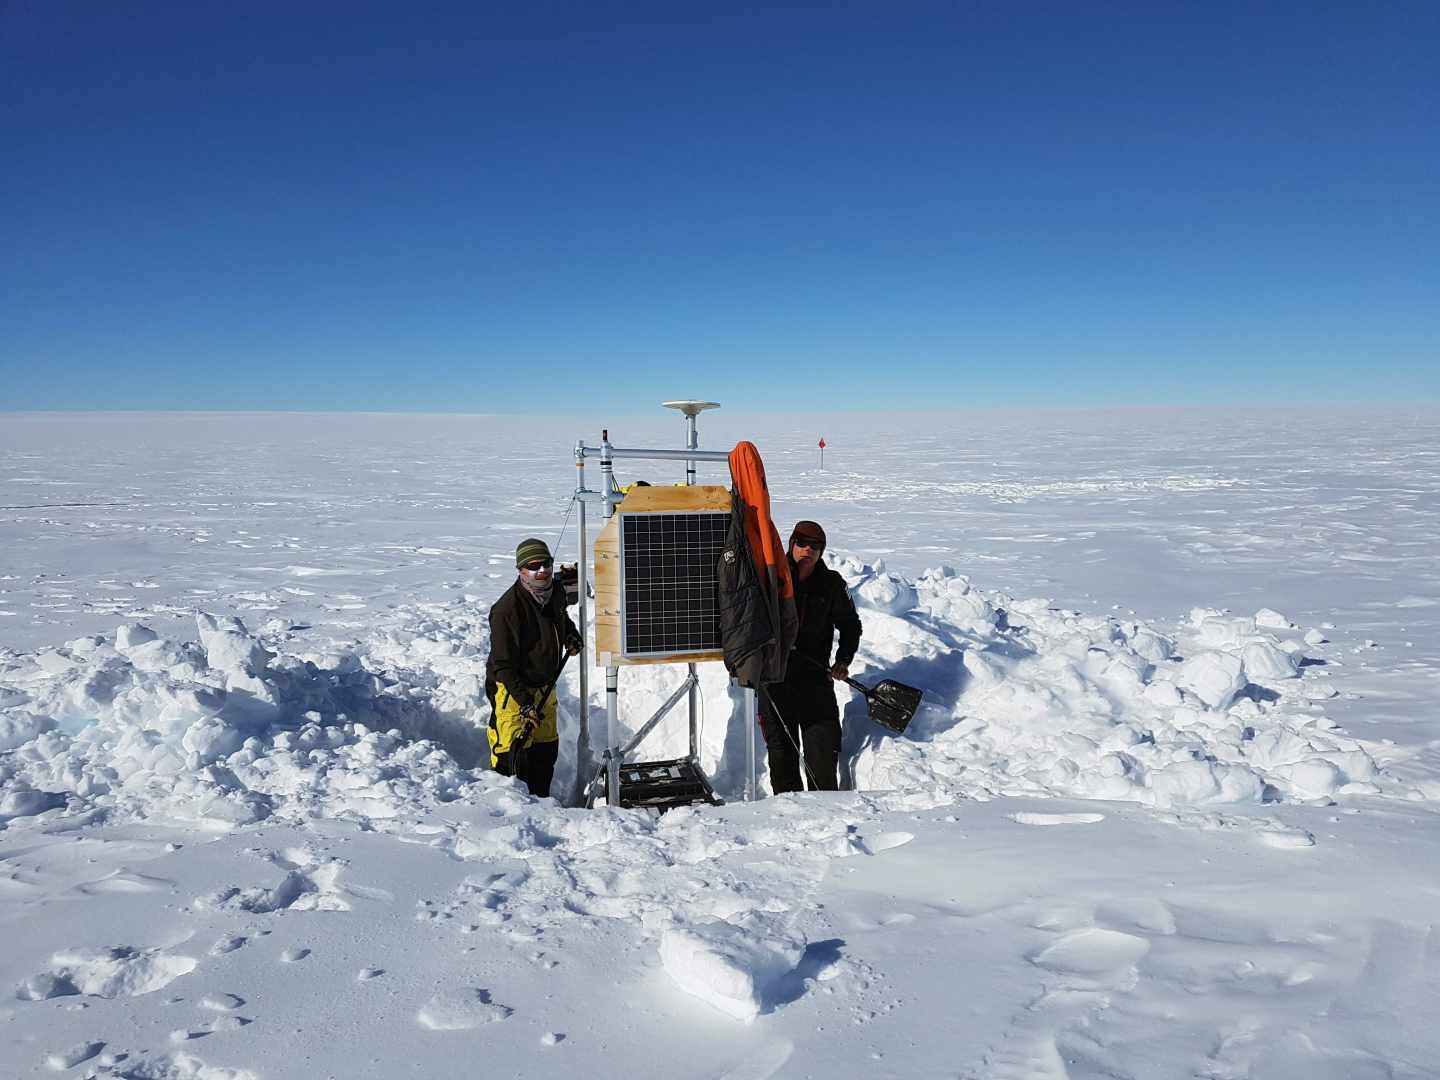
[612, 735]
[750, 787]
[607, 474]
[660, 714]
[612, 671]
[692, 440]
[582, 744]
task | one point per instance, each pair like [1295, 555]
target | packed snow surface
[1183, 827]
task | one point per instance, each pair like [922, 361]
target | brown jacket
[527, 643]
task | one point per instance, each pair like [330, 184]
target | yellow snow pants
[506, 725]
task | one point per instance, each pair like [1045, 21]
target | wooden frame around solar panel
[655, 591]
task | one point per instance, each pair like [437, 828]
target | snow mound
[1019, 698]
[225, 732]
[1022, 698]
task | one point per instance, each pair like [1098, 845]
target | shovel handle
[865, 690]
[529, 730]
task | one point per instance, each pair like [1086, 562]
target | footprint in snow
[763, 1063]
[1064, 918]
[1091, 952]
[1287, 839]
[1026, 817]
[461, 1010]
[224, 1023]
[60, 1060]
[1142, 912]
[126, 881]
[228, 943]
[855, 843]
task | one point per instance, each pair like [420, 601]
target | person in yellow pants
[530, 636]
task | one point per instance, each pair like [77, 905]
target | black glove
[529, 720]
[572, 643]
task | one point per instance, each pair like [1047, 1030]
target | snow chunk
[229, 647]
[1271, 619]
[887, 593]
[733, 967]
[1200, 783]
[21, 800]
[1314, 778]
[1150, 645]
[18, 728]
[129, 635]
[1223, 632]
[115, 972]
[1264, 660]
[1214, 677]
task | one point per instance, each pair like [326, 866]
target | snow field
[1021, 699]
[1111, 845]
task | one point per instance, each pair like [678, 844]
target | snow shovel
[892, 704]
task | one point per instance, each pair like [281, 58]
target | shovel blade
[893, 704]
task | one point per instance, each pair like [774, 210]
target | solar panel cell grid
[668, 591]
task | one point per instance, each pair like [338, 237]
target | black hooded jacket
[824, 605]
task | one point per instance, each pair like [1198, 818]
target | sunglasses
[537, 565]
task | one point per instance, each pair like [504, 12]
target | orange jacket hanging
[757, 608]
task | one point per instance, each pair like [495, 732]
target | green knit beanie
[530, 550]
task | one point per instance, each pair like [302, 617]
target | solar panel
[668, 601]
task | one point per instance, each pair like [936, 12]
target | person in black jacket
[530, 635]
[801, 712]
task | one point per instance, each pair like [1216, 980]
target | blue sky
[481, 207]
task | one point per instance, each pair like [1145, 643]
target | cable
[780, 719]
[564, 524]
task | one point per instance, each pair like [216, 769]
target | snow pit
[1020, 697]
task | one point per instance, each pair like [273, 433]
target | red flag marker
[822, 451]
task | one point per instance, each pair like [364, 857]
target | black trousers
[533, 764]
[808, 716]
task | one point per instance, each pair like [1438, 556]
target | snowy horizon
[647, 410]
